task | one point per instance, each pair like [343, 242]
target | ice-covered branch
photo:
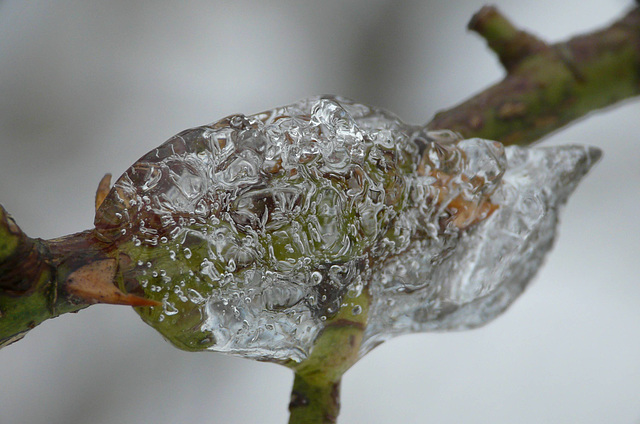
[546, 87]
[309, 234]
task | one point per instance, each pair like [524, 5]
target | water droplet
[231, 265]
[195, 296]
[316, 278]
[170, 308]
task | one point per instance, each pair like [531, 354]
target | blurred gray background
[87, 87]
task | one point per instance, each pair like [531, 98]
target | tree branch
[42, 279]
[314, 403]
[547, 86]
[29, 290]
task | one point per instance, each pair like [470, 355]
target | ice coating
[256, 231]
[491, 263]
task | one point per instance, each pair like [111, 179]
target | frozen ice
[491, 263]
[256, 231]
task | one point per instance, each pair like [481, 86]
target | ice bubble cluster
[256, 231]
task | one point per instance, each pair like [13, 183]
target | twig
[42, 279]
[547, 86]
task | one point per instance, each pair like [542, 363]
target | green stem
[30, 271]
[314, 402]
[315, 397]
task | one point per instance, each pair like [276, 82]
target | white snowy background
[88, 86]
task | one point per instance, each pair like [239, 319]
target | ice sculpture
[255, 232]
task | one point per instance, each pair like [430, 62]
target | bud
[256, 232]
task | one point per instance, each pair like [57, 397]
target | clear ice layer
[256, 231]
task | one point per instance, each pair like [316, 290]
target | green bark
[315, 397]
[315, 401]
[547, 86]
[29, 290]
[42, 279]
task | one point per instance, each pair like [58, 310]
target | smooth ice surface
[256, 231]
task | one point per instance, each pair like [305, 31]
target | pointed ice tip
[593, 155]
[558, 168]
[494, 262]
[579, 161]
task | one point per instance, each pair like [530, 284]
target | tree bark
[547, 86]
[42, 279]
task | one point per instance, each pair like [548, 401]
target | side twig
[547, 86]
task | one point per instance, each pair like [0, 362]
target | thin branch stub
[508, 42]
